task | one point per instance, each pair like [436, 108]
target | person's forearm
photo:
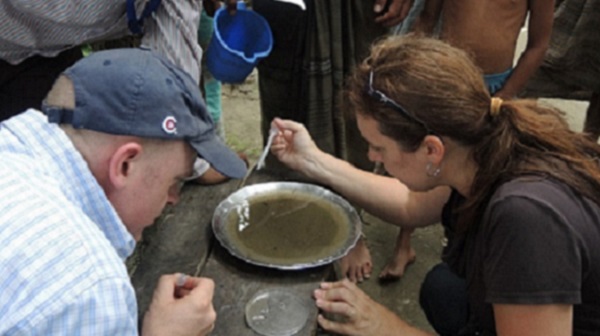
[382, 196]
[393, 325]
[539, 31]
[361, 315]
[528, 63]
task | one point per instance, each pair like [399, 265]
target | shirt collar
[71, 171]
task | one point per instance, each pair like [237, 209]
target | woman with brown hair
[517, 191]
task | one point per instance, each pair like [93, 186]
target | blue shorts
[495, 82]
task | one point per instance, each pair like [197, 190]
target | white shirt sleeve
[173, 31]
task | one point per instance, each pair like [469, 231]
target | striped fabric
[33, 27]
[62, 245]
[302, 77]
[571, 66]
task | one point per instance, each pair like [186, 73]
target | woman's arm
[533, 320]
[384, 197]
[361, 315]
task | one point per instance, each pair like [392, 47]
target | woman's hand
[360, 315]
[293, 146]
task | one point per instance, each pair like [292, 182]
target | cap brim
[221, 158]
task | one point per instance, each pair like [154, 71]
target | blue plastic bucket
[238, 43]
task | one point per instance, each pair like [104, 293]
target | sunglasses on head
[382, 98]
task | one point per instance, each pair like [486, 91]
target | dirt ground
[241, 112]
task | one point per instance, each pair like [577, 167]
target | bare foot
[394, 270]
[357, 265]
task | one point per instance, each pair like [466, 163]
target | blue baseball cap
[134, 91]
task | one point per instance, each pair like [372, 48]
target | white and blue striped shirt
[47, 27]
[62, 245]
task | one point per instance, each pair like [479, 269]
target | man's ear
[122, 163]
[435, 149]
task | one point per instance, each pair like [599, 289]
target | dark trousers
[443, 298]
[26, 84]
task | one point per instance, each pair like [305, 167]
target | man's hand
[211, 6]
[181, 305]
[391, 12]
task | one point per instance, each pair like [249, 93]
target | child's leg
[357, 265]
[404, 255]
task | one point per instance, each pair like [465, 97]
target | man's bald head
[62, 93]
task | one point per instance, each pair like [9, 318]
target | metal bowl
[286, 225]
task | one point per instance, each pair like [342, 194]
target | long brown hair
[440, 86]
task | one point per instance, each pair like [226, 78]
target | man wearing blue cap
[118, 137]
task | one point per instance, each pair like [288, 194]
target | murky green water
[288, 228]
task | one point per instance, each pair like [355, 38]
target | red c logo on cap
[169, 125]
